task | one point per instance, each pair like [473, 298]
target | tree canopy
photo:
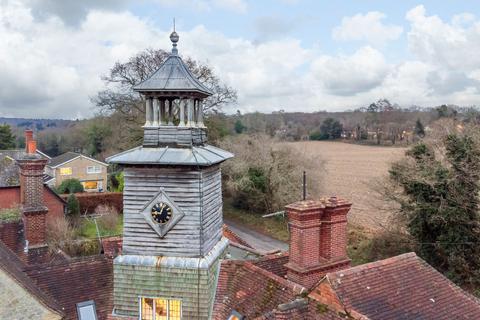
[119, 96]
[439, 199]
[7, 139]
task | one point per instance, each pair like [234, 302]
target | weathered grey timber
[196, 191]
[177, 259]
[170, 136]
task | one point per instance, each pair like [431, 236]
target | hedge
[90, 200]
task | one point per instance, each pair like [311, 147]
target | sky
[292, 55]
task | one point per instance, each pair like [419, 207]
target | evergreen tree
[73, 206]
[330, 129]
[239, 127]
[7, 139]
[440, 205]
[419, 129]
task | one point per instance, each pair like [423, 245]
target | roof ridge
[374, 264]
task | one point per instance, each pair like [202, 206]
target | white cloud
[367, 27]
[50, 69]
[451, 48]
[239, 6]
[349, 75]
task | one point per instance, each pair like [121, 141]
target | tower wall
[191, 280]
[196, 191]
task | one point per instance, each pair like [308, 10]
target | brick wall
[10, 197]
[10, 233]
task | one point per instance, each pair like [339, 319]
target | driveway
[260, 242]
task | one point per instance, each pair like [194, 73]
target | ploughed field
[354, 172]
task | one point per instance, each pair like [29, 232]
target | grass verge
[88, 230]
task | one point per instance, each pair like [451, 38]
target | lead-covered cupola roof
[173, 77]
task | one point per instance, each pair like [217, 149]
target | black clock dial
[161, 213]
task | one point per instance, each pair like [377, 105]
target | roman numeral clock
[172, 199]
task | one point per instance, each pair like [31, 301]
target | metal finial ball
[174, 37]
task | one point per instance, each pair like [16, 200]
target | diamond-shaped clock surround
[161, 229]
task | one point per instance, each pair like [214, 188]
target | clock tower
[172, 237]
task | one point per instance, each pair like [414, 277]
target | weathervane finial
[174, 38]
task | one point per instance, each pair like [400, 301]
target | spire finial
[174, 38]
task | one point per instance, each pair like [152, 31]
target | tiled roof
[233, 237]
[81, 279]
[274, 263]
[14, 266]
[67, 156]
[402, 287]
[250, 290]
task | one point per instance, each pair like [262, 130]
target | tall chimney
[318, 239]
[34, 210]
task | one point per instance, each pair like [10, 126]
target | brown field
[352, 172]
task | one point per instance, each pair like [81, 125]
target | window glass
[147, 309]
[89, 185]
[161, 309]
[161, 306]
[66, 171]
[86, 310]
[174, 310]
[94, 169]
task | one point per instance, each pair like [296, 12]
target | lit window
[86, 310]
[94, 169]
[66, 171]
[160, 309]
[90, 185]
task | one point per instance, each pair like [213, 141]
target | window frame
[140, 298]
[96, 169]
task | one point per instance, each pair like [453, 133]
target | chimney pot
[32, 147]
[28, 138]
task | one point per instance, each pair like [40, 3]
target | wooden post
[200, 114]
[181, 105]
[189, 103]
[155, 112]
[163, 110]
[170, 112]
[148, 112]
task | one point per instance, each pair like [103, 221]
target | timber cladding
[195, 287]
[196, 191]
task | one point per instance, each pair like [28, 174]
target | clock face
[161, 213]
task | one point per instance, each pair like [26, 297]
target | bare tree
[119, 96]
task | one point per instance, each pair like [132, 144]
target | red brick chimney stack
[318, 239]
[31, 193]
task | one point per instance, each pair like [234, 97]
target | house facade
[90, 172]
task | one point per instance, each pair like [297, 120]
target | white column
[155, 112]
[190, 113]
[181, 105]
[148, 112]
[195, 112]
[201, 104]
[170, 112]
[162, 119]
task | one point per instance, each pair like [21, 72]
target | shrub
[108, 217]
[10, 214]
[73, 207]
[264, 176]
[59, 233]
[89, 201]
[70, 186]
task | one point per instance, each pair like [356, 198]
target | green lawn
[88, 230]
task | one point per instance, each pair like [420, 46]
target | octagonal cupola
[174, 100]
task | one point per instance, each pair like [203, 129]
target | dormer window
[160, 309]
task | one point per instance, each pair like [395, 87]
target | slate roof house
[176, 260]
